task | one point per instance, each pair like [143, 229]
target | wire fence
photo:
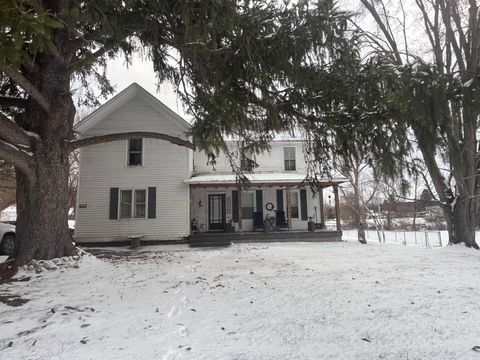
[432, 238]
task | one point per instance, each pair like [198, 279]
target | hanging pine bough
[234, 62]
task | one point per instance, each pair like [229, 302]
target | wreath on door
[269, 206]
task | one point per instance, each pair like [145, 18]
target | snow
[427, 238]
[469, 83]
[9, 214]
[272, 177]
[33, 134]
[251, 301]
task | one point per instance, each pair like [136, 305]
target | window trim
[127, 158]
[132, 205]
[295, 157]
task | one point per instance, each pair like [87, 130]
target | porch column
[337, 206]
[289, 209]
[322, 208]
[239, 208]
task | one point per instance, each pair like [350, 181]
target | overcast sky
[141, 72]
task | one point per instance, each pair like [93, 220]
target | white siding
[271, 161]
[103, 166]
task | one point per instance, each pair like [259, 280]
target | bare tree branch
[450, 35]
[100, 139]
[26, 85]
[384, 26]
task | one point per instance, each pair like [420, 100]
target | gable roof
[122, 98]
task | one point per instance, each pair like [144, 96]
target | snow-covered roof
[271, 178]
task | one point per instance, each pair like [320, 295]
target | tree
[364, 186]
[233, 60]
[435, 94]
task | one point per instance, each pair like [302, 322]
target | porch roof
[272, 178]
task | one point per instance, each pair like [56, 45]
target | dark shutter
[113, 203]
[279, 199]
[235, 205]
[152, 202]
[303, 203]
[259, 200]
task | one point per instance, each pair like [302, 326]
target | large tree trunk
[42, 211]
[42, 198]
[461, 224]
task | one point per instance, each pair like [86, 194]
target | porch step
[226, 239]
[209, 240]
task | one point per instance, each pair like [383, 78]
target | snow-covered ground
[251, 301]
[426, 238]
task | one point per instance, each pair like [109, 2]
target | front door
[216, 212]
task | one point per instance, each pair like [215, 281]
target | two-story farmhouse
[160, 191]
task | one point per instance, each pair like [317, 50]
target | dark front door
[216, 212]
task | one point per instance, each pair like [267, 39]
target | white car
[8, 242]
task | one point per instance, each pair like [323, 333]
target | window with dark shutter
[140, 203]
[135, 150]
[125, 204]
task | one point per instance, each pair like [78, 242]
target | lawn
[250, 301]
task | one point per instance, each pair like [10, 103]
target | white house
[163, 192]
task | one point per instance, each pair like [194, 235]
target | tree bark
[42, 195]
[42, 212]
[461, 226]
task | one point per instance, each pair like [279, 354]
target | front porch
[274, 207]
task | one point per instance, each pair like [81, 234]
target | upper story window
[247, 162]
[135, 152]
[289, 158]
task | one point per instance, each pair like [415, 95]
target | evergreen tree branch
[18, 158]
[13, 133]
[100, 139]
[91, 57]
[26, 85]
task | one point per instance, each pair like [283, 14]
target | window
[247, 162]
[126, 204]
[135, 148]
[247, 205]
[136, 206]
[289, 158]
[140, 203]
[294, 204]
